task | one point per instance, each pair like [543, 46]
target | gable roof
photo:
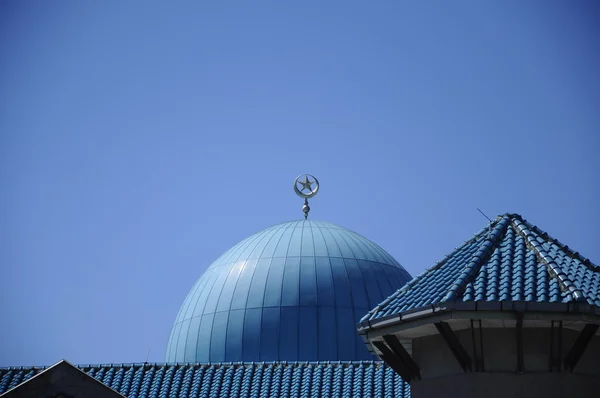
[511, 260]
[249, 379]
[61, 379]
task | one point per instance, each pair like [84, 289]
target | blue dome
[294, 291]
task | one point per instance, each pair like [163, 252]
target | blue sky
[139, 141]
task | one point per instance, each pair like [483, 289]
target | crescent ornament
[306, 186]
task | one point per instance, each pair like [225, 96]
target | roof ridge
[199, 364]
[570, 252]
[437, 265]
[478, 259]
[523, 228]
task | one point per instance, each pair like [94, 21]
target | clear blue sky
[139, 141]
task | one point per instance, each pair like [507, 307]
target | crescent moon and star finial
[306, 186]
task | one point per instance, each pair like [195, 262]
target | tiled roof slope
[275, 379]
[511, 260]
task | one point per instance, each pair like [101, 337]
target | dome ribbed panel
[294, 291]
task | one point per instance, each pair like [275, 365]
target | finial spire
[303, 186]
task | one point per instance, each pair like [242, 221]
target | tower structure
[511, 312]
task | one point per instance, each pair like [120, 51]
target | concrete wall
[442, 375]
[492, 385]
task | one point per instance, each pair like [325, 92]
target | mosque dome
[294, 291]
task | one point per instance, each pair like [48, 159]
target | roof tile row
[275, 379]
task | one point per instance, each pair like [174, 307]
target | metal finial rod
[306, 208]
[304, 188]
[483, 214]
[489, 219]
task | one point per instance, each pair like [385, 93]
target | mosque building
[311, 309]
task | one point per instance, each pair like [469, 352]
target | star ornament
[306, 186]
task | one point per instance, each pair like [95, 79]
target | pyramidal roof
[509, 261]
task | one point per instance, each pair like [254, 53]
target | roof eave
[420, 313]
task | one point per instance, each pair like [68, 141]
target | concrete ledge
[502, 385]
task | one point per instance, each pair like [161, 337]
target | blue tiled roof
[275, 379]
[511, 260]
